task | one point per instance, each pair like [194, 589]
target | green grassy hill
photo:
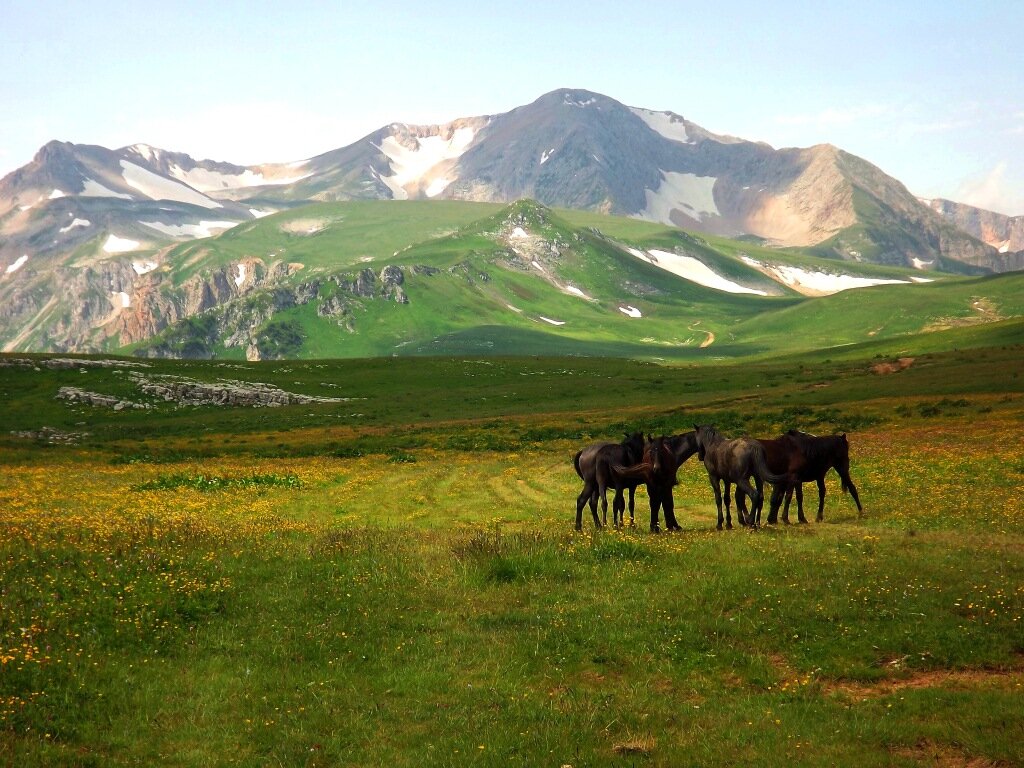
[520, 279]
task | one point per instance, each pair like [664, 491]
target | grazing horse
[819, 454]
[783, 457]
[733, 461]
[592, 465]
[661, 461]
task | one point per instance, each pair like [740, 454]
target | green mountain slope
[361, 279]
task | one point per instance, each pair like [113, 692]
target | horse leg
[618, 508]
[755, 499]
[632, 503]
[655, 498]
[587, 495]
[741, 507]
[821, 499]
[773, 509]
[789, 499]
[718, 500]
[800, 503]
[669, 504]
[778, 491]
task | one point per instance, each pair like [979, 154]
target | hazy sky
[931, 92]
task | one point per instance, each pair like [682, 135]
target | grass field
[394, 580]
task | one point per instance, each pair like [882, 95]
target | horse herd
[786, 463]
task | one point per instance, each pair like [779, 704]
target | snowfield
[212, 181]
[75, 223]
[412, 166]
[18, 264]
[92, 188]
[693, 270]
[117, 244]
[817, 283]
[630, 311]
[158, 187]
[258, 214]
[685, 192]
[202, 229]
[665, 123]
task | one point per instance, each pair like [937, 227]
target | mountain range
[81, 223]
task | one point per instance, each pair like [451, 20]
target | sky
[930, 92]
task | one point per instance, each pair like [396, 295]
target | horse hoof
[727, 525]
[719, 527]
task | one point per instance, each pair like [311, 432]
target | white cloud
[993, 191]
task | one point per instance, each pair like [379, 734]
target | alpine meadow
[308, 463]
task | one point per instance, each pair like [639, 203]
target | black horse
[819, 455]
[661, 461]
[595, 465]
[733, 461]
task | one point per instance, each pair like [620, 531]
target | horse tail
[576, 463]
[761, 465]
[642, 471]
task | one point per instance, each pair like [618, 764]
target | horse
[661, 461]
[783, 457]
[733, 461]
[820, 454]
[593, 464]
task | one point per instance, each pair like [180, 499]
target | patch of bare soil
[985, 311]
[929, 753]
[936, 678]
[901, 364]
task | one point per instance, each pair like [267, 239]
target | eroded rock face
[76, 395]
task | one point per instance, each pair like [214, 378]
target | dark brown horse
[593, 465]
[819, 455]
[733, 461]
[661, 461]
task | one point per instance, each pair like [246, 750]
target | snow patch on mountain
[18, 264]
[546, 155]
[693, 270]
[669, 125]
[240, 277]
[686, 192]
[211, 181]
[92, 188]
[202, 229]
[157, 187]
[630, 311]
[410, 166]
[148, 153]
[75, 223]
[258, 214]
[55, 194]
[142, 267]
[117, 244]
[573, 102]
[121, 300]
[577, 292]
[921, 263]
[437, 186]
[552, 322]
[816, 282]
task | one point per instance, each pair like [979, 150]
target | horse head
[634, 445]
[704, 435]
